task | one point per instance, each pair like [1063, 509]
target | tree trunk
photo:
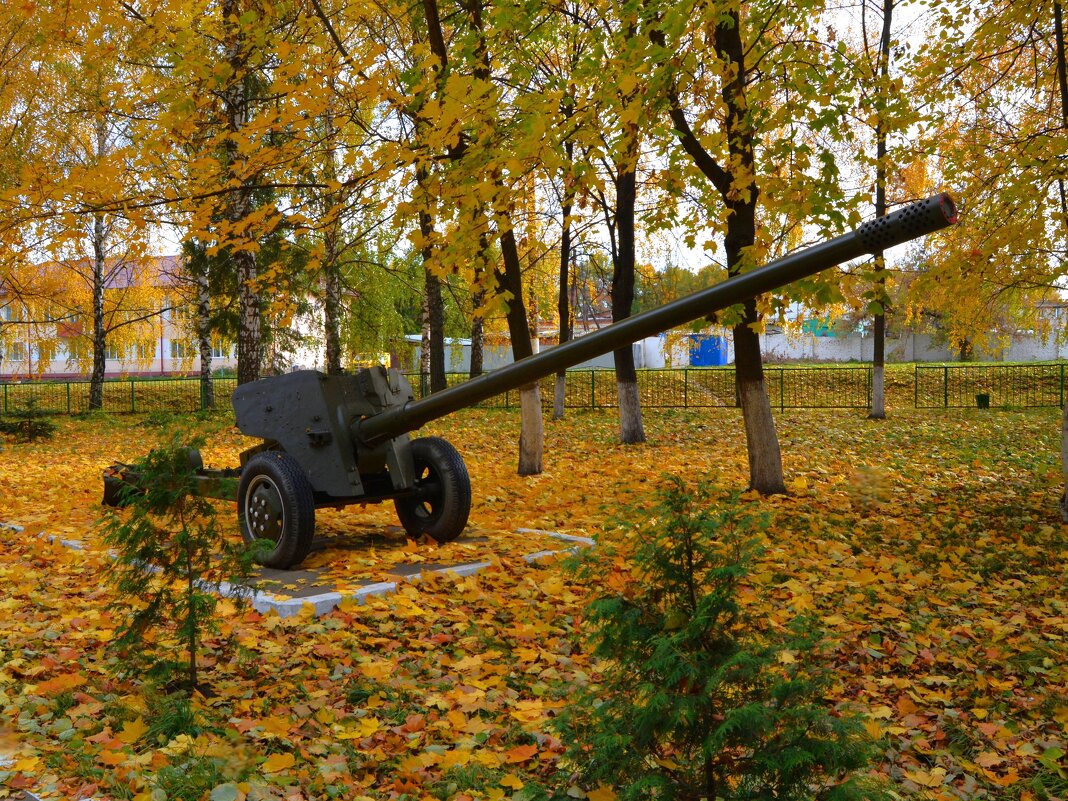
[239, 203]
[563, 297]
[878, 371]
[96, 379]
[332, 304]
[478, 298]
[477, 336]
[765, 459]
[1062, 83]
[424, 344]
[630, 409]
[532, 435]
[434, 337]
[331, 264]
[739, 191]
[433, 305]
[878, 405]
[100, 236]
[249, 339]
[207, 384]
[532, 438]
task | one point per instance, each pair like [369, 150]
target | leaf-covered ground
[927, 544]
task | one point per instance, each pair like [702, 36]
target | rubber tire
[443, 515]
[279, 471]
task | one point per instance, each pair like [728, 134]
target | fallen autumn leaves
[928, 545]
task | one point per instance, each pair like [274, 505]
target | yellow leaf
[602, 793]
[132, 731]
[278, 762]
[799, 484]
[277, 726]
[513, 781]
[458, 757]
[364, 727]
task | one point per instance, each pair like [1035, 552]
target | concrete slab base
[311, 587]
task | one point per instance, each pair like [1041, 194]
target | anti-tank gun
[336, 440]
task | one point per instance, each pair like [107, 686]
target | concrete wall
[656, 353]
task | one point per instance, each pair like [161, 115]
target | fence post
[68, 397]
[133, 397]
[782, 389]
[685, 387]
[5, 398]
[945, 386]
[915, 386]
[593, 390]
[1062, 385]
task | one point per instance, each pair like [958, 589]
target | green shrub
[29, 422]
[171, 560]
[699, 698]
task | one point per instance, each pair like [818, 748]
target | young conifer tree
[699, 698]
[170, 560]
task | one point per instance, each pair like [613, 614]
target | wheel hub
[264, 515]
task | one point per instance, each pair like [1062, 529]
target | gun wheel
[275, 503]
[442, 499]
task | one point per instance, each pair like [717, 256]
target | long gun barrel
[909, 222]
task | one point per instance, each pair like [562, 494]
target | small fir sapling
[170, 561]
[699, 698]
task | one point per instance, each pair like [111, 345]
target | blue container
[708, 350]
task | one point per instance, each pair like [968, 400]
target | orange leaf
[60, 684]
[521, 753]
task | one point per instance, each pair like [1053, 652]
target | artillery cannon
[336, 440]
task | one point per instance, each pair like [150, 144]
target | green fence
[964, 385]
[696, 387]
[831, 387]
[121, 396]
[788, 388]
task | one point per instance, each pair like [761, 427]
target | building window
[181, 350]
[220, 352]
[77, 350]
[146, 350]
[114, 352]
[16, 352]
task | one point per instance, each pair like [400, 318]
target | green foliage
[171, 715]
[30, 423]
[192, 778]
[699, 698]
[171, 560]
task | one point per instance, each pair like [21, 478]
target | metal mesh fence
[934, 386]
[120, 397]
[996, 385]
[691, 388]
